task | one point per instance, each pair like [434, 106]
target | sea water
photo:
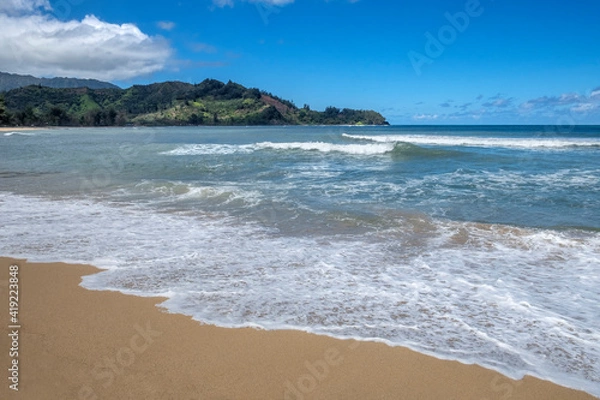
[478, 244]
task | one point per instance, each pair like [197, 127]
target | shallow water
[479, 244]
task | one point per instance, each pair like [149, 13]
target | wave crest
[357, 149]
[474, 141]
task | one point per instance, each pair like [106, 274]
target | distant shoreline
[37, 128]
[18, 128]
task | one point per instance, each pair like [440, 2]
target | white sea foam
[224, 149]
[185, 190]
[19, 133]
[474, 141]
[186, 195]
[500, 296]
[209, 149]
[357, 149]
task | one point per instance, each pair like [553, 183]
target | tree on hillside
[5, 117]
[27, 116]
[332, 112]
[252, 94]
[195, 119]
[268, 116]
[210, 102]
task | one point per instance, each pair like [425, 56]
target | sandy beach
[78, 344]
[18, 128]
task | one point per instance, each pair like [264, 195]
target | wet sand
[80, 344]
[16, 129]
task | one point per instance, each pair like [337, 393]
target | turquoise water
[480, 244]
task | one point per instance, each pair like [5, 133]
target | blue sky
[416, 62]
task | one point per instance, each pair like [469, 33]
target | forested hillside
[210, 102]
[15, 81]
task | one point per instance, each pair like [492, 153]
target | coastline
[81, 344]
[18, 128]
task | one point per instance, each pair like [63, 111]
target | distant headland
[76, 102]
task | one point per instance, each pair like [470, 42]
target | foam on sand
[485, 294]
[141, 349]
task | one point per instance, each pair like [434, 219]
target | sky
[415, 61]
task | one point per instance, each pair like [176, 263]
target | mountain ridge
[10, 81]
[210, 102]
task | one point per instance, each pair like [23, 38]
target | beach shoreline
[80, 344]
[18, 128]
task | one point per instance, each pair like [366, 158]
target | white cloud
[203, 48]
[498, 102]
[549, 110]
[421, 117]
[223, 3]
[12, 7]
[573, 101]
[584, 107]
[273, 2]
[44, 46]
[166, 25]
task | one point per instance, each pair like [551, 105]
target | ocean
[474, 243]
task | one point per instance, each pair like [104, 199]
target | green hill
[15, 81]
[170, 103]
